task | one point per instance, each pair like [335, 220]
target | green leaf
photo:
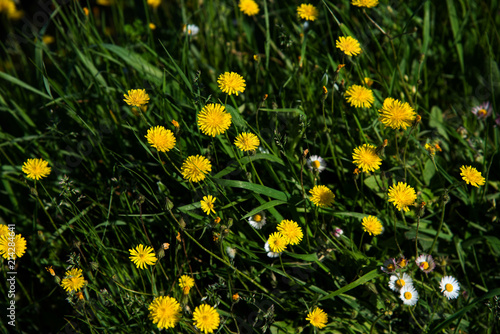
[368, 277]
[429, 171]
[263, 207]
[280, 195]
[22, 84]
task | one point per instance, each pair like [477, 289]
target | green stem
[443, 204]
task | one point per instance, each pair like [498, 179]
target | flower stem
[443, 204]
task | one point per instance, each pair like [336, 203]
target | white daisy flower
[268, 250]
[408, 295]
[231, 252]
[483, 110]
[338, 232]
[316, 163]
[191, 29]
[449, 287]
[399, 281]
[257, 220]
[389, 266]
[425, 263]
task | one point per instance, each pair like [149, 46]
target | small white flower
[408, 295]
[338, 231]
[425, 263]
[191, 29]
[483, 110]
[389, 266]
[449, 287]
[398, 281]
[257, 220]
[268, 250]
[231, 252]
[316, 163]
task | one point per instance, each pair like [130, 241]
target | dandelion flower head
[207, 204]
[316, 163]
[409, 295]
[471, 176]
[277, 242]
[425, 263]
[247, 141]
[365, 3]
[482, 111]
[6, 249]
[307, 12]
[449, 287]
[213, 120]
[372, 225]
[73, 281]
[402, 195]
[206, 318]
[36, 168]
[398, 281]
[141, 256]
[366, 158]
[249, 7]
[165, 312]
[4, 230]
[396, 114]
[348, 45]
[257, 220]
[322, 196]
[160, 138]
[154, 3]
[318, 318]
[186, 283]
[136, 97]
[291, 231]
[194, 168]
[359, 96]
[231, 83]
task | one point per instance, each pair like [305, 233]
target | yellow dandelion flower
[402, 195]
[307, 12]
[231, 83]
[249, 7]
[141, 256]
[86, 11]
[9, 8]
[368, 81]
[9, 251]
[213, 120]
[317, 318]
[372, 225]
[291, 231]
[73, 281]
[365, 3]
[322, 196]
[236, 296]
[195, 167]
[366, 158]
[154, 3]
[359, 96]
[36, 168]
[207, 204]
[165, 312]
[206, 318]
[136, 97]
[152, 26]
[348, 45]
[160, 138]
[471, 176]
[50, 270]
[80, 295]
[247, 141]
[186, 283]
[396, 114]
[4, 230]
[277, 242]
[175, 123]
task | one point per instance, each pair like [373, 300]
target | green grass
[63, 102]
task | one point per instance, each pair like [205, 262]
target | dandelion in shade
[257, 220]
[186, 283]
[471, 176]
[12, 247]
[365, 3]
[449, 287]
[389, 266]
[73, 280]
[372, 225]
[307, 12]
[36, 169]
[402, 195]
[348, 45]
[154, 3]
[425, 263]
[249, 7]
[165, 312]
[160, 138]
[365, 157]
[359, 96]
[316, 163]
[190, 29]
[213, 120]
[318, 318]
[277, 242]
[195, 168]
[142, 256]
[322, 196]
[408, 295]
[396, 114]
[207, 204]
[398, 281]
[291, 231]
[136, 97]
[206, 318]
[231, 83]
[483, 110]
[247, 141]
